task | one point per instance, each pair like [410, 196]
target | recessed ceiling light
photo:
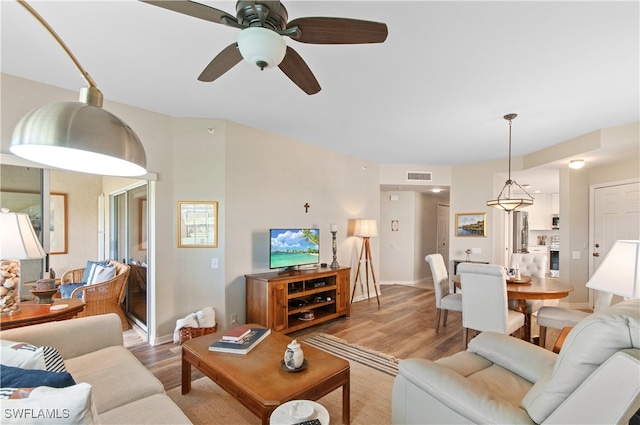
[576, 163]
[436, 190]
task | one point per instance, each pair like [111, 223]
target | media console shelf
[277, 300]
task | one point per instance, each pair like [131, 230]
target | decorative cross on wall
[306, 207]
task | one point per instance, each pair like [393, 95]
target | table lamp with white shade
[18, 241]
[619, 271]
[366, 229]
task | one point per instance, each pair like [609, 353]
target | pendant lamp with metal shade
[504, 201]
[78, 136]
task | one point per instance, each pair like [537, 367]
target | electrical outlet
[234, 320]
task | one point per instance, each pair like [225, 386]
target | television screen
[294, 247]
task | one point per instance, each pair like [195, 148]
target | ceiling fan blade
[338, 31]
[194, 9]
[298, 71]
[224, 61]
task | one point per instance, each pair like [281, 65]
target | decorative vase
[294, 356]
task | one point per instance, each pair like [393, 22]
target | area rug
[354, 353]
[207, 403]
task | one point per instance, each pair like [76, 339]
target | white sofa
[500, 379]
[124, 391]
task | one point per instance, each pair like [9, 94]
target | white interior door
[616, 215]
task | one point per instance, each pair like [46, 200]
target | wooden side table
[32, 313]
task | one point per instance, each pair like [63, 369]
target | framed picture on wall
[197, 224]
[471, 224]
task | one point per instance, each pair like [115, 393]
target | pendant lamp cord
[84, 73]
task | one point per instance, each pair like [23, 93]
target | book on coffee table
[242, 346]
[236, 334]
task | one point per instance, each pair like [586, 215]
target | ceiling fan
[263, 25]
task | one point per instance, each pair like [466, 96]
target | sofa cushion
[157, 409]
[52, 406]
[617, 328]
[117, 377]
[15, 377]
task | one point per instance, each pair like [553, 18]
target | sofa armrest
[529, 361]
[614, 385]
[458, 394]
[74, 337]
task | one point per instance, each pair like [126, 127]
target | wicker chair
[101, 298]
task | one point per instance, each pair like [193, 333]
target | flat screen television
[291, 248]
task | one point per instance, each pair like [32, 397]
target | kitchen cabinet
[540, 212]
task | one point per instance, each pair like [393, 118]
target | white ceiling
[433, 93]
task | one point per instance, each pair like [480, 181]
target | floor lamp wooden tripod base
[366, 250]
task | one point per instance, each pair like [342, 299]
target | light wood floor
[403, 327]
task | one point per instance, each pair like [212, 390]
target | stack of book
[240, 340]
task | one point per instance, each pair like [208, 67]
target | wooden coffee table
[255, 378]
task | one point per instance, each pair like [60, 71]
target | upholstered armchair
[595, 379]
[101, 298]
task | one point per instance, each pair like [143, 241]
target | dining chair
[445, 300]
[560, 317]
[485, 302]
[531, 265]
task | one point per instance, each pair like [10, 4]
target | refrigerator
[520, 231]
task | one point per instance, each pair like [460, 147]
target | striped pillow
[99, 274]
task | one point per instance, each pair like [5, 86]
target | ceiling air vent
[419, 176]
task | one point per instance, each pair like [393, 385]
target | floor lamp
[365, 229]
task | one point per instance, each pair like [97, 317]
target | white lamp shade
[618, 272]
[18, 240]
[366, 228]
[262, 47]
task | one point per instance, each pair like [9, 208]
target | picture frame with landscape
[471, 224]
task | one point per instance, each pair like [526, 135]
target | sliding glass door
[128, 236]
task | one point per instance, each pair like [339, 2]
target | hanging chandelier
[505, 201]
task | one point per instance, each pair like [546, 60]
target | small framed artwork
[471, 224]
[197, 224]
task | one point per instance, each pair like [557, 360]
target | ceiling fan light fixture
[262, 47]
[504, 201]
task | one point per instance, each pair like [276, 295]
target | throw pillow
[87, 269]
[68, 288]
[15, 377]
[27, 356]
[52, 406]
[99, 274]
[20, 354]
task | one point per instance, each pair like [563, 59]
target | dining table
[530, 288]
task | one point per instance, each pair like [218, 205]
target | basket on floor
[188, 332]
